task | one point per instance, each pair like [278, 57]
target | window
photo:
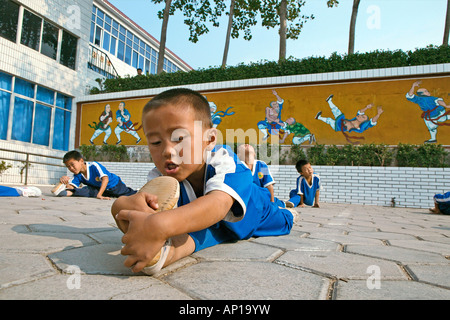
[68, 50]
[31, 30]
[9, 16]
[39, 34]
[122, 43]
[40, 116]
[50, 40]
[5, 101]
[22, 120]
[61, 125]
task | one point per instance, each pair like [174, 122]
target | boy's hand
[142, 240]
[64, 179]
[301, 205]
[140, 201]
[316, 205]
[102, 197]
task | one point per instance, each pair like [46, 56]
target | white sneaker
[158, 261]
[58, 188]
[167, 189]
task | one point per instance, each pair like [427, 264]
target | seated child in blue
[441, 203]
[97, 180]
[307, 189]
[260, 171]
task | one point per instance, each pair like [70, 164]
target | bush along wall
[404, 155]
[292, 66]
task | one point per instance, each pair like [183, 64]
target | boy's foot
[289, 204]
[167, 189]
[60, 187]
[138, 140]
[430, 141]
[158, 261]
[329, 97]
[295, 214]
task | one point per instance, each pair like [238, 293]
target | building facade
[52, 52]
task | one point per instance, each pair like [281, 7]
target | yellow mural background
[400, 122]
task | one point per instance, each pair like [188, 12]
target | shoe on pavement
[58, 188]
[167, 189]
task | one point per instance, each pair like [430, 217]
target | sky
[381, 25]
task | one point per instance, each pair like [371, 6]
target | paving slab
[59, 248]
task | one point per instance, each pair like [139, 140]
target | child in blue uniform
[218, 201]
[441, 203]
[260, 171]
[99, 182]
[307, 189]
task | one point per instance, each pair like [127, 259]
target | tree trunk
[162, 42]
[227, 40]
[447, 25]
[351, 40]
[283, 24]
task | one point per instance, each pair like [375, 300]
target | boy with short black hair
[307, 188]
[215, 198]
[99, 182]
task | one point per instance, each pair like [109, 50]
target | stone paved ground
[59, 248]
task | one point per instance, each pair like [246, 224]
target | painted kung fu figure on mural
[272, 123]
[434, 109]
[103, 125]
[300, 132]
[216, 116]
[125, 125]
[359, 123]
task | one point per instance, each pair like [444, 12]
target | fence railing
[27, 161]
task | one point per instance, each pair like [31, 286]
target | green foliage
[290, 66]
[105, 152]
[426, 155]
[4, 166]
[406, 155]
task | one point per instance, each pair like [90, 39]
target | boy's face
[74, 166]
[307, 170]
[176, 141]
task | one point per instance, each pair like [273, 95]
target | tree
[447, 25]
[241, 17]
[164, 15]
[287, 15]
[351, 38]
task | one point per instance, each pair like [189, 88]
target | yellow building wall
[400, 122]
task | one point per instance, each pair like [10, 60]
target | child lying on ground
[215, 197]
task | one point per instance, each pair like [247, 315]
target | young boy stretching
[97, 180]
[307, 189]
[215, 197]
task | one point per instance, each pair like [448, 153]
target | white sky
[381, 24]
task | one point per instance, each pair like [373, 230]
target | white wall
[411, 187]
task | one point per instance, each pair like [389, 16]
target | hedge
[292, 66]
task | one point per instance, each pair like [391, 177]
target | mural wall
[382, 112]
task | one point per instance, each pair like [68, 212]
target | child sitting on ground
[260, 171]
[307, 189]
[441, 203]
[215, 198]
[99, 182]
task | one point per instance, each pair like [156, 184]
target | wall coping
[355, 75]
